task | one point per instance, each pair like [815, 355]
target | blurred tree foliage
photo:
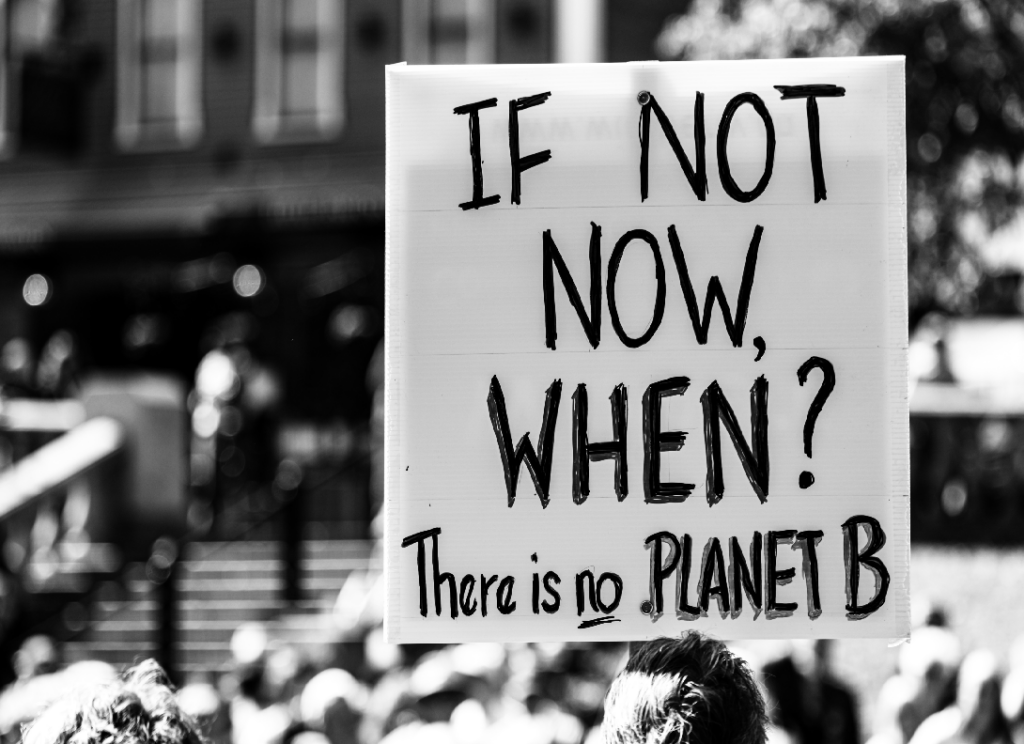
[965, 114]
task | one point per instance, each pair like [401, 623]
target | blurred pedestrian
[976, 717]
[1012, 697]
[38, 654]
[688, 690]
[931, 660]
[810, 703]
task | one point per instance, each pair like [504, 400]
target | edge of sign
[897, 330]
[391, 388]
[896, 235]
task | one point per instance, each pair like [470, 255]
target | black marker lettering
[753, 456]
[657, 441]
[855, 558]
[485, 583]
[684, 610]
[538, 461]
[697, 178]
[591, 590]
[776, 578]
[661, 568]
[616, 582]
[525, 163]
[713, 579]
[730, 186]
[506, 605]
[734, 327]
[808, 541]
[746, 579]
[473, 109]
[593, 623]
[466, 602]
[553, 260]
[828, 384]
[443, 577]
[551, 579]
[583, 450]
[437, 574]
[659, 297]
[421, 561]
[812, 93]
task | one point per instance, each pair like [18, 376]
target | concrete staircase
[221, 586]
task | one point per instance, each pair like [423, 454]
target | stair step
[215, 654]
[218, 628]
[223, 585]
[204, 583]
[308, 562]
[139, 588]
[340, 565]
[128, 637]
[226, 610]
[230, 574]
[211, 594]
[239, 611]
[221, 639]
[141, 611]
[303, 623]
[126, 626]
[333, 568]
[79, 650]
[210, 589]
[272, 549]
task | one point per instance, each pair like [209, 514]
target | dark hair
[140, 707]
[688, 690]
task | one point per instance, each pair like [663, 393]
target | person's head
[688, 690]
[140, 707]
[37, 655]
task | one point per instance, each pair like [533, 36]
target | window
[159, 73]
[299, 70]
[449, 32]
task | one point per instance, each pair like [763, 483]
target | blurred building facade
[187, 178]
[181, 178]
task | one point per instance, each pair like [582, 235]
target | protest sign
[646, 351]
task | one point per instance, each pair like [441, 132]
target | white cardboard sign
[646, 351]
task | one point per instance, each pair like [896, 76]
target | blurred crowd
[366, 691]
[936, 692]
[942, 692]
[357, 688]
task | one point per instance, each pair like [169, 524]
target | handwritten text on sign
[718, 249]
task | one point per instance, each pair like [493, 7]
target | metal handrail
[58, 462]
[162, 566]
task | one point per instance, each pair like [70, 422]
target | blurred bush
[965, 115]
